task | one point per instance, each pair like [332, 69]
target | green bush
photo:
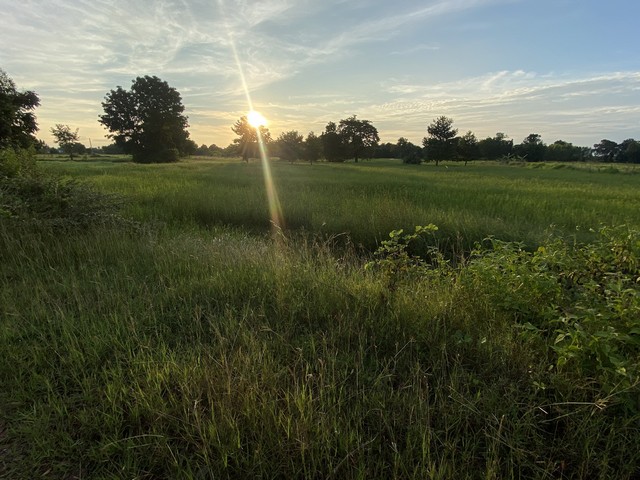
[31, 197]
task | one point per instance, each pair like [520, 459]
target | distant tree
[606, 150]
[65, 138]
[408, 152]
[190, 147]
[492, 148]
[112, 149]
[147, 121]
[358, 136]
[290, 146]
[17, 120]
[467, 147]
[440, 144]
[247, 141]
[312, 148]
[629, 151]
[332, 144]
[561, 151]
[532, 148]
[385, 150]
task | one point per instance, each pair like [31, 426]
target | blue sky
[566, 69]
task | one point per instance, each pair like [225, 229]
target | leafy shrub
[30, 197]
[582, 301]
[583, 298]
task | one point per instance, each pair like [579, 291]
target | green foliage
[65, 138]
[584, 299]
[147, 121]
[201, 351]
[358, 136]
[405, 256]
[17, 120]
[29, 197]
[440, 142]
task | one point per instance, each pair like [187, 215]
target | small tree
[65, 138]
[440, 143]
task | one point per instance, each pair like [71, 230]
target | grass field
[368, 200]
[194, 344]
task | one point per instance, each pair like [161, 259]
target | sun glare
[256, 119]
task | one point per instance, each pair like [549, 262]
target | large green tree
[17, 120]
[440, 143]
[147, 121]
[358, 136]
[247, 141]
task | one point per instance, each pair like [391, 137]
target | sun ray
[256, 120]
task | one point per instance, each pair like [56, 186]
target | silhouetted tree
[606, 150]
[312, 148]
[290, 146]
[332, 145]
[532, 148]
[492, 148]
[247, 141]
[408, 152]
[65, 138]
[147, 121]
[358, 136]
[17, 120]
[440, 143]
[468, 147]
[629, 151]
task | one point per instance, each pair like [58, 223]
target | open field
[195, 345]
[369, 199]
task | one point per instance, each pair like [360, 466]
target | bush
[29, 197]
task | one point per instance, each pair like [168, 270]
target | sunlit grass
[196, 346]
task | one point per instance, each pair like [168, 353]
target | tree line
[147, 121]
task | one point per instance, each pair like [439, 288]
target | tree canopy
[440, 143]
[357, 135]
[247, 140]
[147, 121]
[66, 138]
[17, 120]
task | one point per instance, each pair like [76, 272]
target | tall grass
[368, 200]
[209, 351]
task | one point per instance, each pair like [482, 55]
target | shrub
[30, 197]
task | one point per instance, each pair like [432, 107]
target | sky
[565, 69]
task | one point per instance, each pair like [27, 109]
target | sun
[256, 119]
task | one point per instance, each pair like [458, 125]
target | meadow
[185, 338]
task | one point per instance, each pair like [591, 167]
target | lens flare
[256, 120]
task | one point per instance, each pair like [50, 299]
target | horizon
[567, 70]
